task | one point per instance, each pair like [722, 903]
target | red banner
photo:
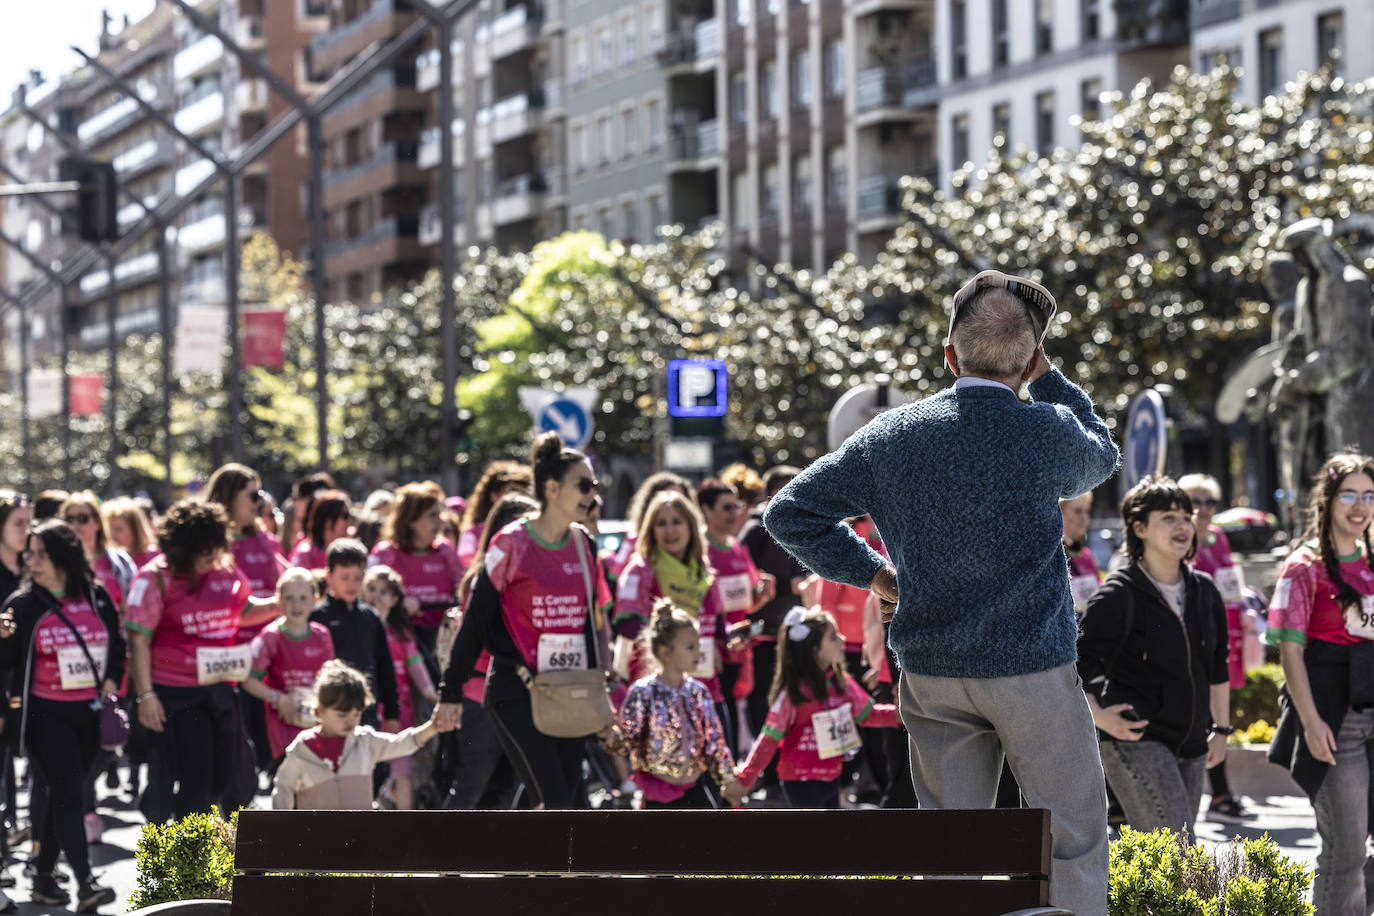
[86, 395]
[264, 334]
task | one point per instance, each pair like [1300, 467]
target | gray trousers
[1341, 887]
[960, 730]
[1155, 787]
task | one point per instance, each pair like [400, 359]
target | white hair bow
[796, 630]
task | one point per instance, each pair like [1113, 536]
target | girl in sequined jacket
[668, 726]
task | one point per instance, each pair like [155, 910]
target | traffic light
[95, 202]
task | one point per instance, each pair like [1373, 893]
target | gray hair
[994, 336]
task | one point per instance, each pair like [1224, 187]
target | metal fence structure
[438, 15]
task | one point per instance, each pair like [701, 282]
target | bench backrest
[426, 861]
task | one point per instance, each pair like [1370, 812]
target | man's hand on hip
[885, 587]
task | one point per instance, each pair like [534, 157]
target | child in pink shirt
[816, 710]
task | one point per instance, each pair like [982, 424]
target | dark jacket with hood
[1132, 648]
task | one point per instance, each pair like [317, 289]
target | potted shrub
[189, 860]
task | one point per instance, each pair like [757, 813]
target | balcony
[188, 176]
[430, 230]
[138, 159]
[895, 93]
[872, 7]
[514, 30]
[1148, 24]
[95, 333]
[429, 145]
[880, 204]
[131, 213]
[250, 32]
[427, 66]
[126, 271]
[389, 92]
[250, 96]
[204, 114]
[519, 198]
[694, 148]
[393, 164]
[696, 47]
[1211, 12]
[516, 115]
[202, 235]
[117, 115]
[328, 50]
[197, 58]
[386, 230]
[206, 289]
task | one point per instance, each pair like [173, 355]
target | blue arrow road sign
[567, 418]
[1146, 437]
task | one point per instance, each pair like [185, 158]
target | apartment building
[1274, 40]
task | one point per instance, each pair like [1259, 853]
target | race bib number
[217, 664]
[1231, 583]
[736, 592]
[562, 652]
[707, 668]
[1083, 588]
[74, 667]
[836, 733]
[1359, 619]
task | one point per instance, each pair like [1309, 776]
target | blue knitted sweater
[964, 488]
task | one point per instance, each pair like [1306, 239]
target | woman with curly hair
[183, 616]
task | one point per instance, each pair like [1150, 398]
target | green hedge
[1259, 698]
[189, 859]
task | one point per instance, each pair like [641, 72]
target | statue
[1314, 381]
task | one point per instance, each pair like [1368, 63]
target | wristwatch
[1223, 730]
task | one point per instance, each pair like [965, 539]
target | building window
[740, 12]
[580, 59]
[629, 217]
[770, 190]
[958, 35]
[1270, 62]
[834, 69]
[629, 126]
[836, 176]
[1044, 26]
[655, 116]
[606, 139]
[1331, 40]
[768, 89]
[1092, 20]
[1001, 125]
[1090, 100]
[581, 151]
[655, 212]
[959, 141]
[739, 97]
[605, 50]
[604, 223]
[629, 40]
[654, 13]
[801, 79]
[1044, 123]
[801, 185]
[1001, 37]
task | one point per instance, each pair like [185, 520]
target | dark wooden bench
[705, 863]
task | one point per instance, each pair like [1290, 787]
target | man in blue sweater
[964, 487]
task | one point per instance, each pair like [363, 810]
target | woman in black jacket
[60, 633]
[1152, 656]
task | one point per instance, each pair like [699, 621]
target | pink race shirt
[543, 596]
[638, 591]
[468, 539]
[256, 557]
[286, 662]
[1304, 604]
[404, 653]
[105, 574]
[148, 555]
[182, 622]
[61, 670]
[736, 577]
[431, 577]
[1214, 558]
[307, 556]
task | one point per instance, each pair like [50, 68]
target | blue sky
[40, 33]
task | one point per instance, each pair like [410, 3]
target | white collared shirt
[972, 381]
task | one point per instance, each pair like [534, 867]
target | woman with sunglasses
[528, 608]
[1215, 559]
[427, 563]
[60, 635]
[1321, 617]
[236, 489]
[329, 518]
[113, 567]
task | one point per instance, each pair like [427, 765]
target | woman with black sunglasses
[113, 567]
[60, 633]
[529, 610]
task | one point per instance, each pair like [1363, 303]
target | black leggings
[62, 739]
[550, 768]
[195, 750]
[811, 793]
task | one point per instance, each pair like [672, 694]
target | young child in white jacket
[329, 767]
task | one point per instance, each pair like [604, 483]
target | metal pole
[24, 394]
[64, 349]
[315, 142]
[448, 261]
[231, 296]
[111, 411]
[164, 317]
